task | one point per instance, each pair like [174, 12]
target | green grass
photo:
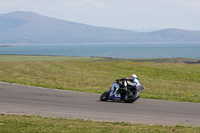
[166, 81]
[160, 60]
[36, 124]
[17, 58]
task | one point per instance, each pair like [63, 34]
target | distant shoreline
[158, 60]
[8, 45]
[5, 45]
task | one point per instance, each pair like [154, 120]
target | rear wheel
[104, 96]
[133, 96]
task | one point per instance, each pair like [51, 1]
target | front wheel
[132, 97]
[104, 96]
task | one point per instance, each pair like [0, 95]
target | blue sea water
[186, 50]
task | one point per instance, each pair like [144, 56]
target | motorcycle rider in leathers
[135, 82]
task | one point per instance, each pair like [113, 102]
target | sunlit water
[109, 50]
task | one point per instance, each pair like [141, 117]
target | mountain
[176, 35]
[150, 29]
[31, 28]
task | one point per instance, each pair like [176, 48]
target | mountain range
[31, 28]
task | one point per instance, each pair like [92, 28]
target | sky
[122, 14]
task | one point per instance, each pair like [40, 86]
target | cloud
[100, 5]
[4, 4]
[187, 3]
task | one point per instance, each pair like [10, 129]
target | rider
[135, 82]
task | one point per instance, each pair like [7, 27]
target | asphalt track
[20, 99]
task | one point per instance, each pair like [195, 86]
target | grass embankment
[21, 58]
[167, 81]
[36, 124]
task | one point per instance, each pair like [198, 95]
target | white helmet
[133, 76]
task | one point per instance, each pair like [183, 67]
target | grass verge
[166, 81]
[37, 124]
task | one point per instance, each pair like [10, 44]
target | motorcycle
[120, 90]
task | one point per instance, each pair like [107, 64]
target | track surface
[19, 99]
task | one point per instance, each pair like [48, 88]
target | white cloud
[100, 5]
[190, 4]
[4, 4]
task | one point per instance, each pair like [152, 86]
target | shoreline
[158, 60]
[105, 43]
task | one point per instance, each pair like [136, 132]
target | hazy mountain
[31, 28]
[150, 29]
[176, 35]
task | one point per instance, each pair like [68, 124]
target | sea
[171, 50]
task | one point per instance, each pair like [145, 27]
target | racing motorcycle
[120, 90]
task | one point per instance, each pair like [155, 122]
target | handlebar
[124, 79]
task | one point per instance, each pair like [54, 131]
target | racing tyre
[104, 96]
[132, 97]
